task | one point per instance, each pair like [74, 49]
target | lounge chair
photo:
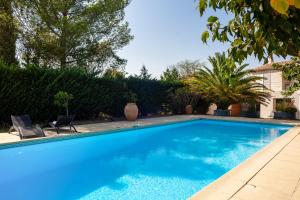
[63, 121]
[23, 125]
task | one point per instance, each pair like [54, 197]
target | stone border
[233, 181]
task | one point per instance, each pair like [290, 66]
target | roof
[268, 66]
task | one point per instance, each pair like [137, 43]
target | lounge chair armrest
[37, 126]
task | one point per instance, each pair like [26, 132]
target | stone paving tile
[275, 183]
[250, 192]
[296, 194]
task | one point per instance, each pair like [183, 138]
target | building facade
[273, 80]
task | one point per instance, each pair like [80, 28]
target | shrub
[182, 97]
[31, 90]
[286, 106]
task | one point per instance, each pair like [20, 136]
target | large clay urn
[131, 111]
[189, 109]
[235, 109]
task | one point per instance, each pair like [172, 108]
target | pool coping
[228, 185]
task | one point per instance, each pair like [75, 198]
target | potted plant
[183, 101]
[249, 110]
[222, 109]
[285, 110]
[227, 83]
[131, 110]
[62, 99]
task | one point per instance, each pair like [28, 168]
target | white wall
[274, 81]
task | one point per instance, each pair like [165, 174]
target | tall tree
[254, 27]
[8, 33]
[182, 70]
[144, 74]
[65, 33]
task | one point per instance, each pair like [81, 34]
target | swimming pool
[161, 162]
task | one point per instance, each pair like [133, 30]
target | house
[274, 81]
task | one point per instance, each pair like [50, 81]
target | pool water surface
[161, 162]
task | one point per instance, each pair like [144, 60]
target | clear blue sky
[166, 32]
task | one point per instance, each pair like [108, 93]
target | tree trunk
[8, 33]
[63, 41]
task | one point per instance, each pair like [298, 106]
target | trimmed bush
[182, 97]
[32, 91]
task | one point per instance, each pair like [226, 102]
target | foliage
[286, 106]
[8, 33]
[227, 83]
[31, 90]
[254, 28]
[282, 6]
[182, 97]
[151, 94]
[181, 70]
[62, 99]
[144, 73]
[131, 97]
[56, 33]
[170, 75]
[291, 72]
[114, 73]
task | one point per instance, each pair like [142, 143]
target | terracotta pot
[131, 111]
[189, 109]
[235, 109]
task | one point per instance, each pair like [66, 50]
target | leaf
[212, 19]
[280, 6]
[205, 36]
[297, 3]
[237, 42]
[202, 6]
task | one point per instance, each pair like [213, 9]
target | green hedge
[31, 91]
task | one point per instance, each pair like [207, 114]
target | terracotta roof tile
[268, 66]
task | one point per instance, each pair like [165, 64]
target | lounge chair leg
[74, 128]
[10, 129]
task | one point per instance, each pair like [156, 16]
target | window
[286, 85]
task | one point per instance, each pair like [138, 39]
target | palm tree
[228, 83]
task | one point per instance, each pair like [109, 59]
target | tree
[291, 72]
[227, 83]
[182, 70]
[66, 33]
[170, 75]
[8, 33]
[254, 28]
[144, 74]
[62, 99]
[113, 73]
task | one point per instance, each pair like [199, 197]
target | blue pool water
[162, 162]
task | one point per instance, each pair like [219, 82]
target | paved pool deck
[273, 173]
